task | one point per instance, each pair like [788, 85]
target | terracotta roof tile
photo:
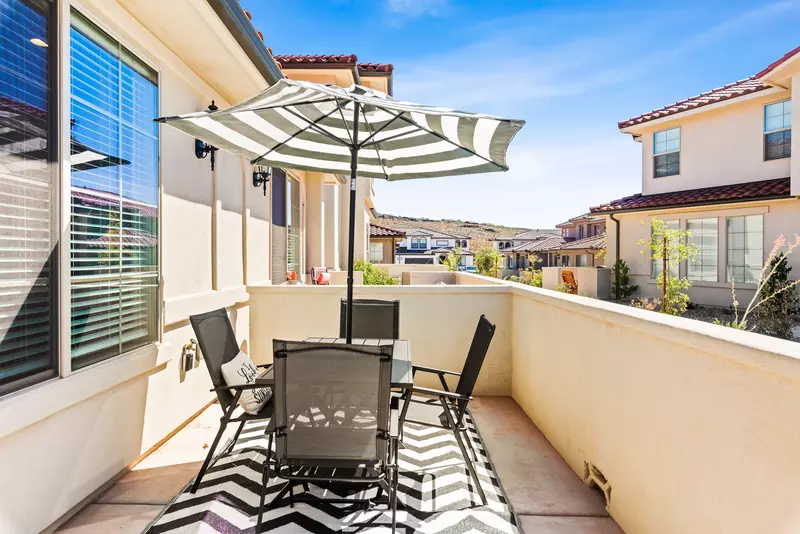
[748, 191]
[596, 242]
[541, 245]
[772, 66]
[376, 230]
[301, 60]
[726, 92]
[375, 67]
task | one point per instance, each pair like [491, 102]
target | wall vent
[595, 478]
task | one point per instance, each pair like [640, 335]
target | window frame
[690, 263]
[729, 278]
[667, 152]
[56, 366]
[778, 130]
[65, 97]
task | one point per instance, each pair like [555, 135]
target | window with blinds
[28, 207]
[114, 197]
[293, 225]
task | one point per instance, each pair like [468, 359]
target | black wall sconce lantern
[261, 177]
[203, 149]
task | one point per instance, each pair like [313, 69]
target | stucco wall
[719, 146]
[439, 321]
[781, 217]
[695, 426]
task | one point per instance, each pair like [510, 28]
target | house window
[442, 242]
[745, 248]
[414, 242]
[778, 130]
[704, 236]
[565, 261]
[667, 152]
[501, 245]
[376, 252]
[423, 242]
[28, 194]
[657, 263]
[581, 260]
[293, 248]
[114, 182]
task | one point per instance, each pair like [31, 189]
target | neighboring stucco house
[719, 165]
[383, 241]
[423, 246]
[574, 243]
[114, 232]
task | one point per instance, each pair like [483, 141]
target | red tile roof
[375, 67]
[376, 230]
[772, 66]
[318, 60]
[540, 245]
[726, 92]
[595, 242]
[745, 192]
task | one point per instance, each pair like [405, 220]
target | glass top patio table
[402, 376]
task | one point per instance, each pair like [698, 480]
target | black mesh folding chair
[372, 319]
[454, 403]
[218, 343]
[335, 420]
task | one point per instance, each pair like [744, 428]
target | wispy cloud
[417, 8]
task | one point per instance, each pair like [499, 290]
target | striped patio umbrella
[329, 129]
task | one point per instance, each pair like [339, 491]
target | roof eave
[237, 23]
[786, 196]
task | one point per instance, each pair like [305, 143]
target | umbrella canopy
[329, 129]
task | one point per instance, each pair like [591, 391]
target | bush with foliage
[646, 303]
[670, 247]
[530, 276]
[774, 304]
[621, 284]
[562, 288]
[374, 276]
[487, 262]
[453, 259]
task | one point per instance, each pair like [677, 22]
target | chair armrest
[264, 366]
[433, 370]
[242, 387]
[439, 393]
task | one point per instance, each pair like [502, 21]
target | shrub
[645, 303]
[374, 276]
[621, 287]
[562, 288]
[453, 259]
[530, 276]
[487, 261]
[778, 295]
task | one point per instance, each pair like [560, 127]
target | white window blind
[114, 197]
[28, 307]
[705, 236]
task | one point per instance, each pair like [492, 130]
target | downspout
[616, 251]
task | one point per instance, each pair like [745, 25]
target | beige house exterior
[726, 175]
[84, 425]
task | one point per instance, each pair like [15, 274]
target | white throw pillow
[240, 371]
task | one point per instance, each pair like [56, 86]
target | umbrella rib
[371, 133]
[366, 141]
[316, 127]
[443, 138]
[265, 154]
[390, 138]
[303, 103]
[344, 123]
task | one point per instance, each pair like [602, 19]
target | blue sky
[572, 70]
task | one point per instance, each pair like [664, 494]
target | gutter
[232, 15]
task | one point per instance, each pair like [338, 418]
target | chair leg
[235, 438]
[467, 459]
[209, 457]
[404, 412]
[395, 482]
[264, 481]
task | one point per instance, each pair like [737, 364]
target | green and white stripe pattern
[309, 126]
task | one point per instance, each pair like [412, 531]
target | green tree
[487, 261]
[621, 285]
[670, 247]
[374, 276]
[453, 259]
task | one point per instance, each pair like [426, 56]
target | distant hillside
[480, 233]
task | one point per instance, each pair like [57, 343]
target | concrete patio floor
[548, 497]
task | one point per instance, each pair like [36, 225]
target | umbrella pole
[352, 237]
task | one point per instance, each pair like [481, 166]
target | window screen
[667, 152]
[778, 130]
[114, 197]
[745, 248]
[704, 236]
[28, 205]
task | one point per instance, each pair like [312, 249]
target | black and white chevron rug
[436, 494]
